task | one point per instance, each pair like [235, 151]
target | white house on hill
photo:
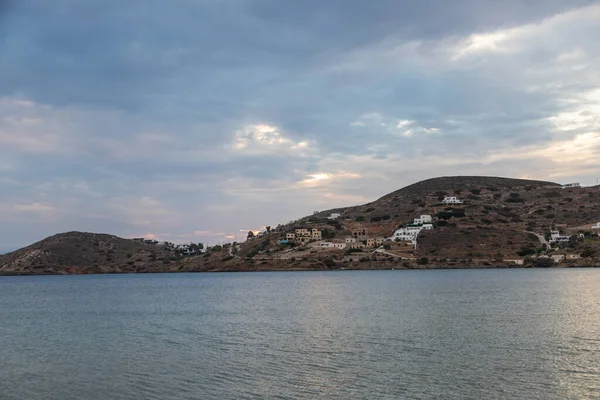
[597, 226]
[407, 233]
[556, 237]
[423, 219]
[451, 200]
[334, 216]
[571, 185]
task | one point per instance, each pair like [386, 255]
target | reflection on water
[484, 334]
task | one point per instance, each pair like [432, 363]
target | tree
[543, 263]
[588, 253]
[251, 235]
[268, 229]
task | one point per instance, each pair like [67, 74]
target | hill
[79, 252]
[499, 222]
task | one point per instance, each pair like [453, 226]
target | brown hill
[78, 252]
[499, 217]
[500, 220]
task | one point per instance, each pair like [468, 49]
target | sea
[430, 334]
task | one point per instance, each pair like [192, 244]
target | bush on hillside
[543, 263]
[525, 251]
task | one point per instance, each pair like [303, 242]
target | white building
[333, 245]
[427, 227]
[571, 185]
[407, 233]
[597, 226]
[350, 240]
[451, 200]
[556, 237]
[423, 219]
[334, 216]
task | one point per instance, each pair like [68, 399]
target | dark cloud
[175, 117]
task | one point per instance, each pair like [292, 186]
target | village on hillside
[352, 239]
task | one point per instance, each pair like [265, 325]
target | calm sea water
[461, 334]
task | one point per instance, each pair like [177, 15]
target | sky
[198, 120]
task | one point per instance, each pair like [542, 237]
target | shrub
[380, 218]
[588, 253]
[476, 191]
[525, 251]
[497, 195]
[423, 261]
[329, 263]
[228, 258]
[350, 251]
[543, 263]
[552, 195]
[360, 218]
[486, 221]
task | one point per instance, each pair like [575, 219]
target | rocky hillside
[501, 221]
[78, 252]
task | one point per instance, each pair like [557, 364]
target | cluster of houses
[557, 237]
[359, 239]
[184, 249]
[410, 232]
[302, 236]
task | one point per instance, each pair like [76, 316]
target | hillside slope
[499, 218]
[78, 252]
[500, 221]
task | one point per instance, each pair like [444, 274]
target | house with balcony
[316, 234]
[360, 234]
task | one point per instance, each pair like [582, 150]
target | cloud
[203, 117]
[262, 138]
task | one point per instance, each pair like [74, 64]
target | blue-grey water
[458, 334]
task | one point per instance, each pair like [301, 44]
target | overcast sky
[196, 120]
